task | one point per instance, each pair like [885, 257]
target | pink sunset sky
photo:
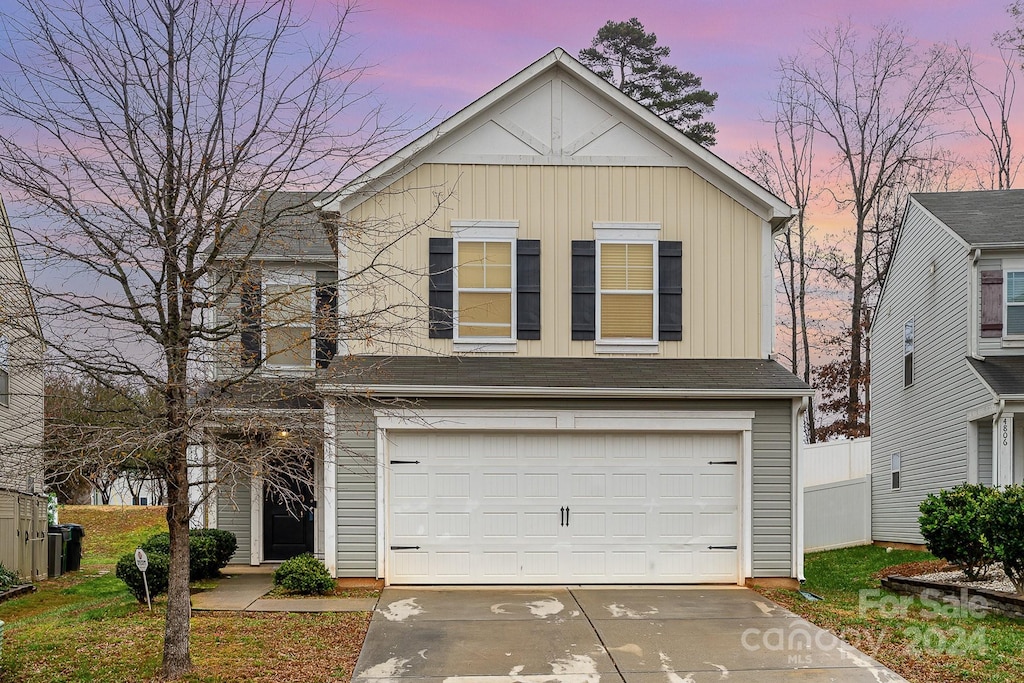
[433, 57]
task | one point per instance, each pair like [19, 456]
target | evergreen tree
[628, 57]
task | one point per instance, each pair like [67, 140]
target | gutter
[420, 390]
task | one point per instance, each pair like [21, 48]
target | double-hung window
[1014, 318]
[626, 299]
[894, 471]
[5, 372]
[908, 353]
[288, 308]
[484, 286]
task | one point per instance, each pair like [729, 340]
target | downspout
[798, 492]
[973, 306]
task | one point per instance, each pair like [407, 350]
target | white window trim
[913, 350]
[896, 467]
[615, 344]
[5, 368]
[1010, 266]
[289, 278]
[483, 231]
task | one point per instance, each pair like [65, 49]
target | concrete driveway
[600, 635]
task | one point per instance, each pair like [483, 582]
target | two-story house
[947, 355]
[23, 522]
[572, 378]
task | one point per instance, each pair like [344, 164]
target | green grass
[919, 641]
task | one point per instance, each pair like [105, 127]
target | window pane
[627, 316]
[289, 346]
[288, 304]
[1015, 287]
[5, 388]
[1015, 320]
[627, 266]
[485, 265]
[908, 337]
[485, 314]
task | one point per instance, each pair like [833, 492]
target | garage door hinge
[721, 547]
[405, 462]
[405, 547]
[722, 462]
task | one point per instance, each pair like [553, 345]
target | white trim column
[1002, 468]
[330, 492]
[255, 520]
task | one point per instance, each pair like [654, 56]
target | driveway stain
[401, 610]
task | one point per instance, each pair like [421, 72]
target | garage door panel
[568, 507]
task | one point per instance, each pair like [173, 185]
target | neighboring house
[947, 355]
[23, 521]
[572, 378]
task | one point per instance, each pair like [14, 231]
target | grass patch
[85, 626]
[923, 643]
[340, 591]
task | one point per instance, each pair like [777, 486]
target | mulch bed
[914, 569]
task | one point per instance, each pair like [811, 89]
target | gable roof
[465, 376]
[699, 158]
[1004, 375]
[7, 241]
[292, 226]
[983, 218]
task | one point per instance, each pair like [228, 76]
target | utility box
[74, 547]
[55, 541]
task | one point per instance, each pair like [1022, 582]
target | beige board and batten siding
[926, 423]
[722, 245]
[772, 493]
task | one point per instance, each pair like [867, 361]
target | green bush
[226, 542]
[304, 574]
[953, 523]
[207, 552]
[8, 578]
[1004, 513]
[157, 575]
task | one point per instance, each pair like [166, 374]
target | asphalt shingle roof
[293, 228]
[1004, 374]
[572, 373]
[983, 217]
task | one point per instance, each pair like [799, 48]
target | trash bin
[73, 551]
[63, 537]
[55, 545]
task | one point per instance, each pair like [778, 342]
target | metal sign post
[142, 562]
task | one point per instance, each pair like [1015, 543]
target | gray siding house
[564, 370]
[947, 355]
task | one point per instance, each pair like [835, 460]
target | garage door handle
[721, 547]
[405, 462]
[722, 462]
[405, 547]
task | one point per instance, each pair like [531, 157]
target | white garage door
[562, 508]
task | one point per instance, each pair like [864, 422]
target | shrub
[156, 575]
[304, 574]
[1004, 513]
[8, 578]
[953, 525]
[226, 544]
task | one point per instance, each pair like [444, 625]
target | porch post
[330, 497]
[1002, 473]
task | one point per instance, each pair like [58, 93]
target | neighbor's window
[484, 289]
[5, 372]
[288, 323]
[895, 470]
[1014, 302]
[908, 353]
[626, 291]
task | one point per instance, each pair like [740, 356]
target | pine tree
[629, 57]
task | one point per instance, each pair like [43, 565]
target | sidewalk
[242, 589]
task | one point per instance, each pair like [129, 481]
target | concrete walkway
[600, 635]
[241, 589]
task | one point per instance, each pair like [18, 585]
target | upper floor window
[908, 353]
[626, 291]
[484, 289]
[1014, 318]
[5, 372]
[288, 309]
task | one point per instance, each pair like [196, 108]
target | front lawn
[85, 626]
[922, 642]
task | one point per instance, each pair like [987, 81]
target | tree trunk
[856, 330]
[177, 660]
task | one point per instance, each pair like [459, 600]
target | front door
[288, 526]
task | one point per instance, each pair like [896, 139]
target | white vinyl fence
[837, 494]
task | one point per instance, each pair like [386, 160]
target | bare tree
[788, 171]
[875, 102]
[990, 108]
[145, 137]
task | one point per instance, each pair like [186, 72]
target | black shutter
[441, 298]
[670, 291]
[249, 319]
[326, 322]
[584, 293]
[991, 303]
[528, 289]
